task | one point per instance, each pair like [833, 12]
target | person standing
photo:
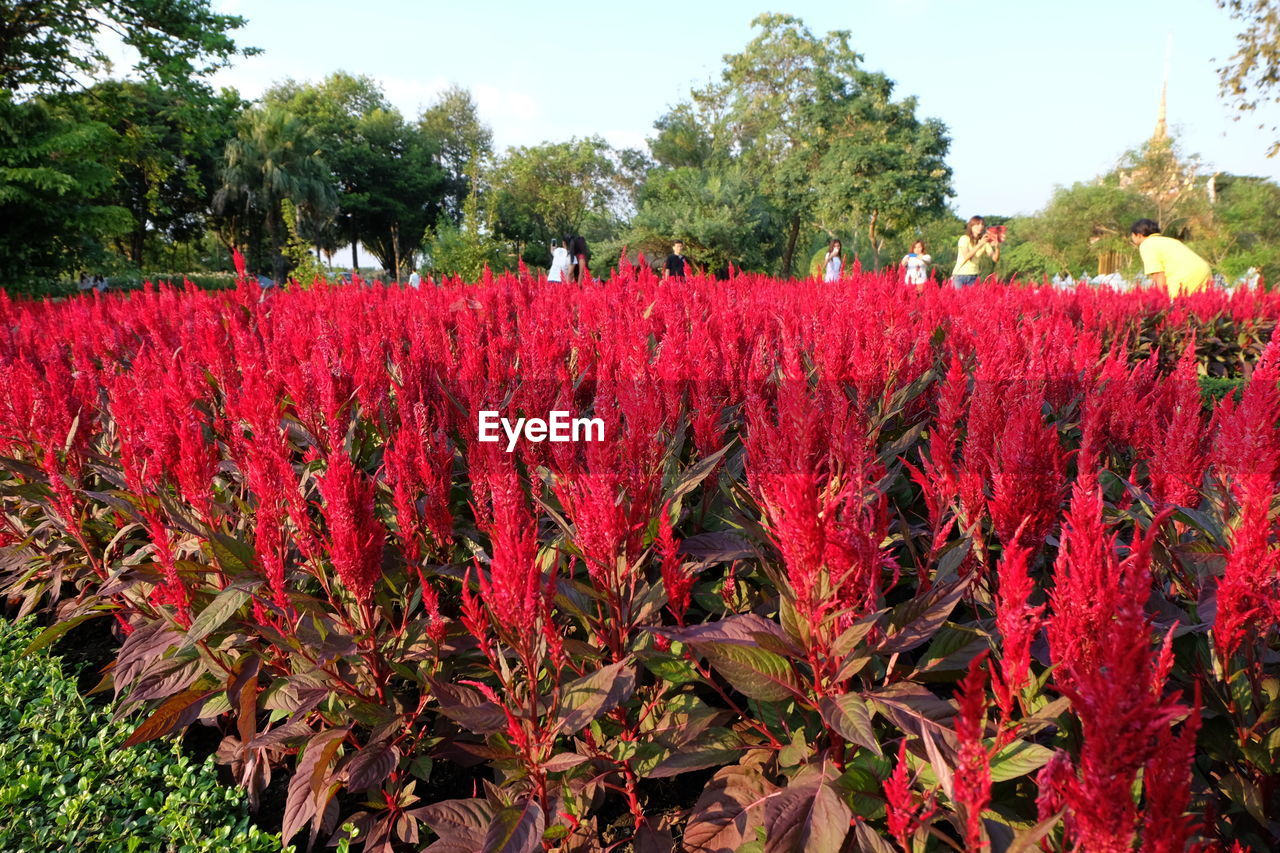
[833, 263]
[915, 265]
[1168, 262]
[579, 254]
[677, 265]
[973, 245]
[415, 280]
[560, 263]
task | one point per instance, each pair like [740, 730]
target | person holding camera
[561, 264]
[976, 242]
[833, 262]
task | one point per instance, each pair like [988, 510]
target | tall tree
[391, 189]
[801, 115]
[272, 158]
[1251, 77]
[55, 44]
[454, 126]
[718, 213]
[545, 191]
[166, 156]
[53, 175]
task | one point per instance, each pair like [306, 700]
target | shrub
[66, 783]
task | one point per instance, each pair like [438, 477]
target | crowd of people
[1166, 262]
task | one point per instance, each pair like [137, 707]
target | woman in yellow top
[974, 243]
[1168, 261]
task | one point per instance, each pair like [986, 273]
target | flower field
[853, 568]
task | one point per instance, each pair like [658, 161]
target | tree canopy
[48, 45]
[1251, 77]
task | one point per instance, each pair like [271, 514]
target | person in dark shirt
[678, 265]
[579, 256]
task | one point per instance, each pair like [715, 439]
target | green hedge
[1214, 388]
[66, 784]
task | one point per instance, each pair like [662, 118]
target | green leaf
[1029, 840]
[1018, 759]
[690, 479]
[586, 698]
[917, 620]
[849, 716]
[517, 828]
[754, 672]
[55, 631]
[168, 716]
[223, 607]
[806, 819]
[235, 557]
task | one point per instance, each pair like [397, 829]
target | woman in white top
[559, 262]
[915, 265]
[833, 263]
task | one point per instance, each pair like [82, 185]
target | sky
[1035, 94]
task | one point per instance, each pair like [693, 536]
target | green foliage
[306, 266]
[822, 137]
[1215, 388]
[1078, 225]
[165, 156]
[465, 250]
[52, 177]
[1227, 219]
[67, 784]
[453, 125]
[53, 44]
[547, 191]
[390, 187]
[718, 213]
[273, 157]
[1251, 76]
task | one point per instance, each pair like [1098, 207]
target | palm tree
[274, 158]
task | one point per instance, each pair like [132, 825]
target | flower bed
[852, 566]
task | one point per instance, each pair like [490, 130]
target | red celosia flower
[356, 537]
[1017, 620]
[1026, 474]
[1166, 782]
[973, 769]
[905, 812]
[676, 580]
[1099, 637]
[1176, 445]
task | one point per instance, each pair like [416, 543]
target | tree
[1252, 76]
[801, 115]
[467, 249]
[682, 140]
[453, 125]
[52, 177]
[549, 190]
[1245, 230]
[1080, 224]
[1167, 180]
[272, 158]
[48, 45]
[883, 167]
[718, 213]
[166, 154]
[391, 188]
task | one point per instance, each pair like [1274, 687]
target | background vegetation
[756, 171]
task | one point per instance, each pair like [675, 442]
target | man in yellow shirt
[1168, 261]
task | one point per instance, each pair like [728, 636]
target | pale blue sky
[1034, 93]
